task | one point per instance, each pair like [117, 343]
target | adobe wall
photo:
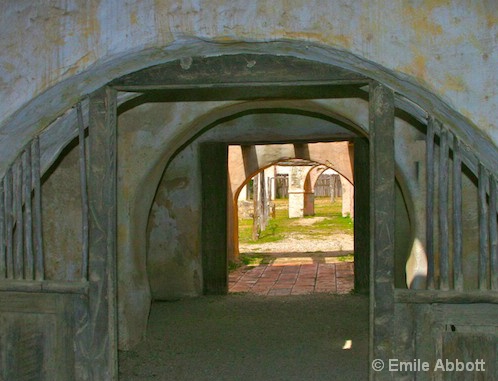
[438, 54]
[448, 48]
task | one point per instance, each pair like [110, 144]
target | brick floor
[294, 276]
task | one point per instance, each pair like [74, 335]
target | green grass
[346, 258]
[282, 226]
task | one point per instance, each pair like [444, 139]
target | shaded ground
[245, 337]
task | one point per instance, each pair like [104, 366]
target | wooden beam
[440, 296]
[60, 287]
[444, 269]
[429, 202]
[361, 215]
[214, 173]
[382, 194]
[102, 234]
[240, 70]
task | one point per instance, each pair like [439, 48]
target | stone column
[347, 198]
[299, 199]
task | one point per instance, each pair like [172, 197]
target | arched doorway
[98, 289]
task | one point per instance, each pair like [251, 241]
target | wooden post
[19, 224]
[9, 247]
[263, 202]
[255, 211]
[493, 233]
[457, 217]
[429, 210]
[483, 228]
[84, 193]
[3, 258]
[214, 170]
[361, 214]
[37, 210]
[102, 234]
[382, 193]
[28, 219]
[444, 269]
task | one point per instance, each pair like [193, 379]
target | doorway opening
[295, 222]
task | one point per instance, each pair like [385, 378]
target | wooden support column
[3, 261]
[429, 202]
[84, 193]
[9, 235]
[444, 251]
[382, 204]
[102, 234]
[493, 232]
[483, 228]
[37, 210]
[214, 170]
[361, 215]
[28, 218]
[457, 217]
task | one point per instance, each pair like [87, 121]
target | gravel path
[303, 244]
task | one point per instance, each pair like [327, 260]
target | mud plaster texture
[244, 337]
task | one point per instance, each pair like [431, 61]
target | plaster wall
[448, 47]
[55, 52]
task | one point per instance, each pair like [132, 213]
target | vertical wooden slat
[457, 216]
[9, 234]
[84, 193]
[3, 263]
[493, 232]
[382, 193]
[429, 222]
[28, 220]
[483, 228]
[19, 225]
[37, 210]
[102, 233]
[443, 211]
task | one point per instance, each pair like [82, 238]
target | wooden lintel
[238, 69]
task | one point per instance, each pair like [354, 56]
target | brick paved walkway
[294, 276]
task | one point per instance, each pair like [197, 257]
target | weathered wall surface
[448, 47]
[61, 204]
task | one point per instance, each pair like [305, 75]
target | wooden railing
[22, 260]
[21, 242]
[445, 268]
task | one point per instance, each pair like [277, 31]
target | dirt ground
[246, 337]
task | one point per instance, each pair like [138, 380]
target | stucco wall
[58, 51]
[448, 47]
